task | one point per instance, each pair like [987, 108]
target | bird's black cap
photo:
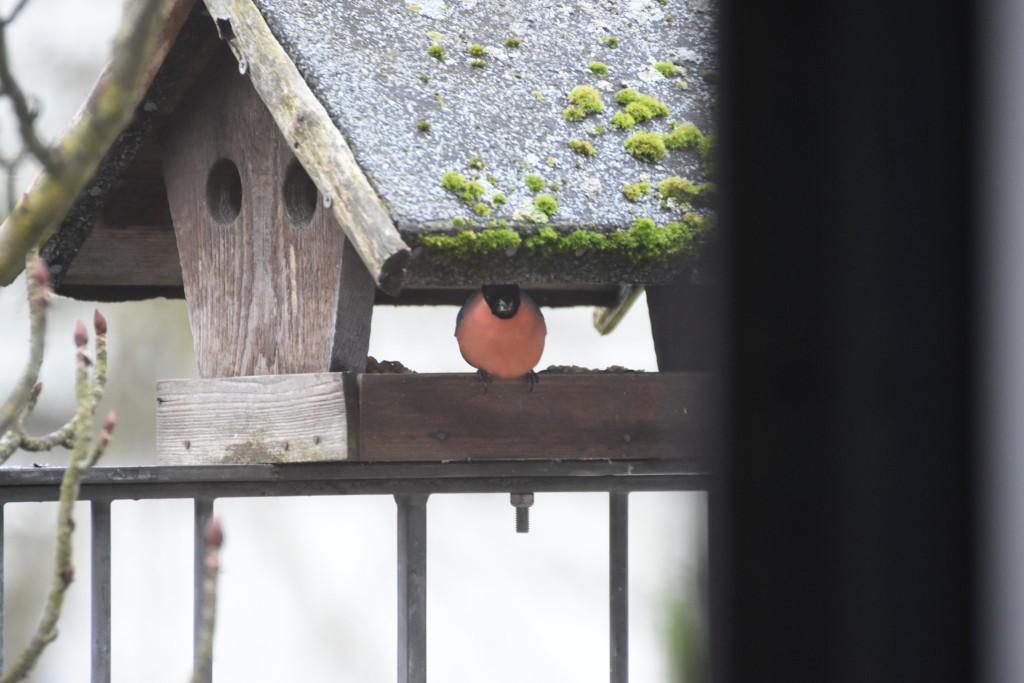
[503, 300]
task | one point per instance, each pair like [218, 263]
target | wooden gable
[262, 260]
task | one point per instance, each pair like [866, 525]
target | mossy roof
[410, 117]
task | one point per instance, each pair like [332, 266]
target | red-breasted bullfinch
[501, 332]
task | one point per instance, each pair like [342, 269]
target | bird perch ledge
[431, 417]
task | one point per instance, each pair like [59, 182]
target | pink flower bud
[214, 534]
[40, 272]
[99, 323]
[81, 336]
[110, 422]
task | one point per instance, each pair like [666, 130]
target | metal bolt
[522, 502]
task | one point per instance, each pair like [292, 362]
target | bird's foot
[533, 378]
[484, 378]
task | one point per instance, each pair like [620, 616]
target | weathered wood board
[131, 256]
[263, 419]
[570, 416]
[431, 417]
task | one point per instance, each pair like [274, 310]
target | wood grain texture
[317, 142]
[130, 256]
[269, 419]
[585, 416]
[262, 289]
[355, 313]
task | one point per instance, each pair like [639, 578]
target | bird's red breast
[504, 348]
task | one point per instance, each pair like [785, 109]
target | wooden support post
[355, 311]
[686, 324]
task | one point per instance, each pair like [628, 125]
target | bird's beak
[504, 306]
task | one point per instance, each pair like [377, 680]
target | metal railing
[410, 483]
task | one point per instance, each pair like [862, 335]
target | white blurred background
[308, 584]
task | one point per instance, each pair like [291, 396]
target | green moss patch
[582, 147]
[646, 146]
[546, 204]
[634, 192]
[638, 112]
[586, 98]
[598, 69]
[476, 50]
[472, 191]
[514, 41]
[468, 245]
[623, 121]
[534, 182]
[626, 95]
[643, 243]
[477, 63]
[688, 136]
[680, 189]
[453, 182]
[573, 113]
[684, 135]
[666, 69]
[610, 41]
[641, 107]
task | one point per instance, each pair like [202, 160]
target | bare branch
[15, 12]
[25, 113]
[38, 282]
[108, 110]
[82, 457]
[65, 435]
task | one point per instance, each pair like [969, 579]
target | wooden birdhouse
[295, 162]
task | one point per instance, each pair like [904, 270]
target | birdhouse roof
[546, 143]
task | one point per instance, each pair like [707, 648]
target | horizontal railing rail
[411, 483]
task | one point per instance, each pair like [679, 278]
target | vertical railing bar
[618, 594]
[100, 591]
[2, 588]
[412, 588]
[203, 512]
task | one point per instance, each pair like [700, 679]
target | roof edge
[314, 139]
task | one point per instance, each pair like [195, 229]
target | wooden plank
[587, 416]
[265, 419]
[316, 140]
[130, 256]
